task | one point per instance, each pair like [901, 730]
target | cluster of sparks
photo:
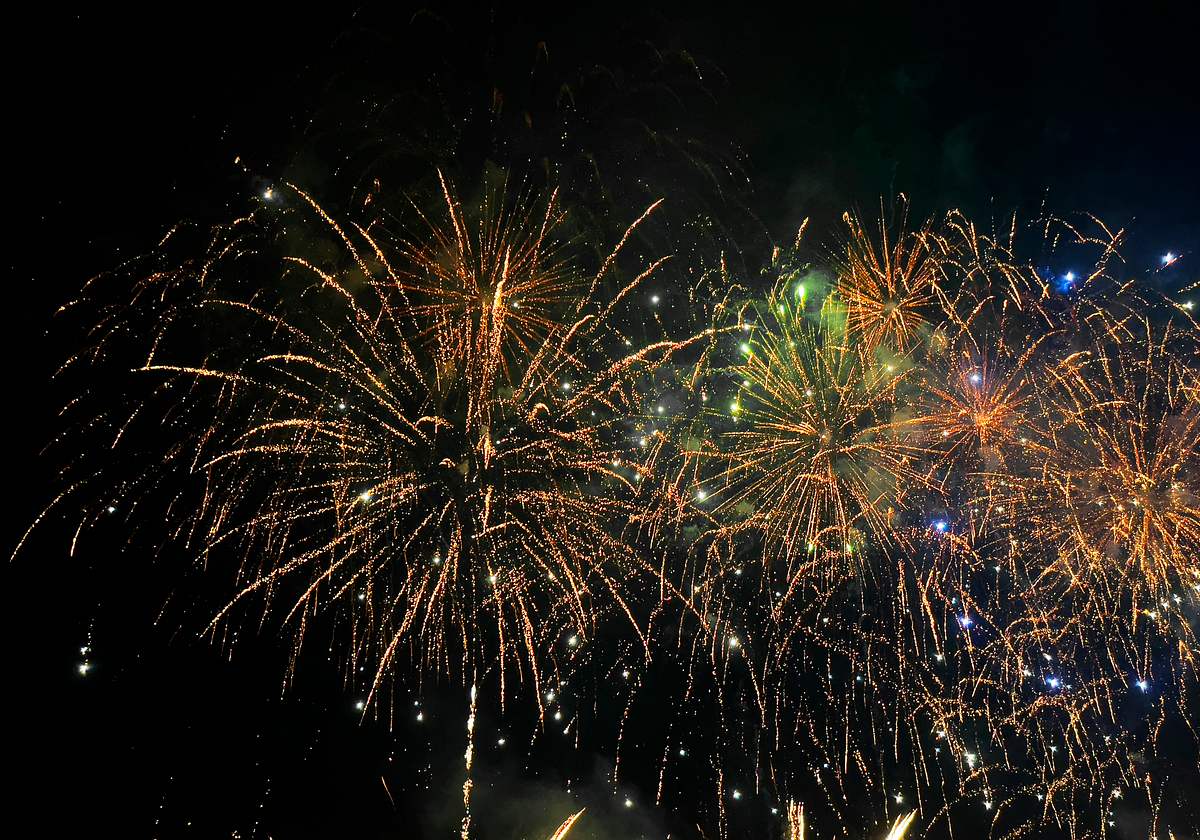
[925, 526]
[975, 511]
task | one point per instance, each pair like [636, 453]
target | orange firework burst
[427, 437]
[890, 283]
[977, 404]
[1116, 500]
[487, 290]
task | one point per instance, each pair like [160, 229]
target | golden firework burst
[889, 280]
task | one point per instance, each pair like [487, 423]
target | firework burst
[427, 438]
[1114, 500]
[977, 405]
[820, 453]
[890, 282]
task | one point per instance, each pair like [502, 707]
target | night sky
[121, 124]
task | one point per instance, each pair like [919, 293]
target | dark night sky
[120, 124]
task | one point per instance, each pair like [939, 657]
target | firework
[797, 827]
[890, 282]
[426, 436]
[820, 453]
[977, 405]
[1112, 502]
[967, 589]
[1138, 410]
[563, 830]
[926, 533]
